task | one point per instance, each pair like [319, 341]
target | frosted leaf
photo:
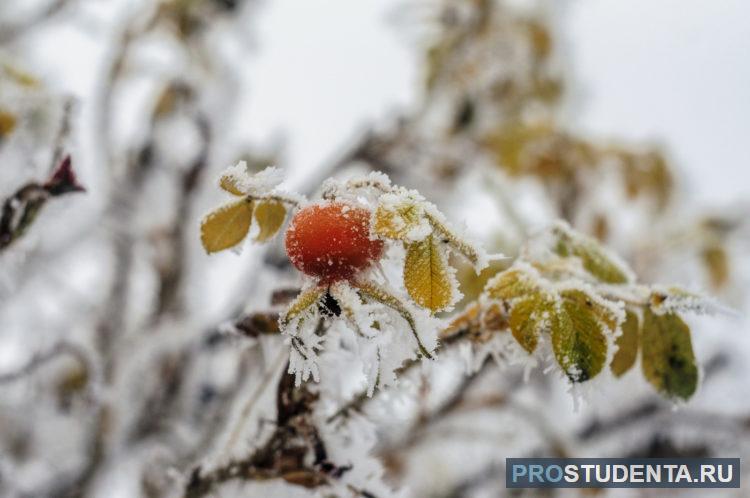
[401, 217]
[610, 312]
[428, 278]
[578, 335]
[238, 180]
[667, 357]
[226, 226]
[368, 186]
[378, 179]
[457, 241]
[303, 307]
[673, 299]
[560, 249]
[513, 283]
[371, 184]
[627, 345]
[531, 304]
[579, 321]
[269, 216]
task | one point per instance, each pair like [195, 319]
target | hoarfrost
[250, 183]
[672, 299]
[305, 344]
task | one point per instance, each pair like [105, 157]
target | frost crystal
[303, 356]
[248, 183]
[675, 299]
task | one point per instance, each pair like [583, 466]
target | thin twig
[37, 361]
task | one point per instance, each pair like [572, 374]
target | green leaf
[593, 256]
[270, 216]
[426, 275]
[667, 358]
[627, 345]
[226, 226]
[578, 339]
[576, 321]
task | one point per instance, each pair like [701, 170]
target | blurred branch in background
[10, 31]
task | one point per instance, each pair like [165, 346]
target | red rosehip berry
[331, 241]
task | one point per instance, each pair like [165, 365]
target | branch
[21, 209]
[9, 32]
[294, 451]
[40, 359]
[171, 273]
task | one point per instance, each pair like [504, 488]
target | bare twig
[40, 359]
[172, 272]
[294, 451]
[20, 210]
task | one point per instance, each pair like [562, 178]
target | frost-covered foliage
[338, 244]
[369, 341]
[569, 288]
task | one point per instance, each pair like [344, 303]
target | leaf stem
[384, 297]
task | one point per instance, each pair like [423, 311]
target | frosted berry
[331, 241]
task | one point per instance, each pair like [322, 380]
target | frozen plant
[564, 285]
[338, 243]
[134, 364]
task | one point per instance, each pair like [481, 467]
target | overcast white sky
[674, 71]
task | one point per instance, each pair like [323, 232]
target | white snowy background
[675, 73]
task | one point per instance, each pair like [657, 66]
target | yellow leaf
[231, 184]
[471, 283]
[227, 226]
[627, 345]
[270, 216]
[509, 144]
[22, 78]
[530, 307]
[510, 284]
[7, 123]
[526, 320]
[715, 259]
[426, 275]
[667, 357]
[398, 221]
